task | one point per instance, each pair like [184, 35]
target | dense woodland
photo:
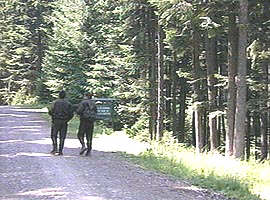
[196, 70]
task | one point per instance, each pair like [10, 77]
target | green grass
[234, 178]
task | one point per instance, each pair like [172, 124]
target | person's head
[88, 95]
[62, 94]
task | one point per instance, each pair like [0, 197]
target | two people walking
[61, 112]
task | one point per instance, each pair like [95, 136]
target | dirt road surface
[29, 172]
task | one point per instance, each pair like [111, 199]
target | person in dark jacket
[61, 112]
[86, 110]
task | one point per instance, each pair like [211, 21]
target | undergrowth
[236, 179]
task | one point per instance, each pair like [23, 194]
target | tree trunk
[268, 112]
[232, 70]
[211, 62]
[256, 132]
[152, 76]
[199, 129]
[267, 16]
[264, 144]
[264, 114]
[193, 130]
[168, 95]
[160, 109]
[182, 110]
[198, 111]
[248, 144]
[241, 85]
[144, 13]
[174, 102]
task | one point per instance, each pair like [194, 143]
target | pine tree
[241, 104]
[14, 49]
[63, 64]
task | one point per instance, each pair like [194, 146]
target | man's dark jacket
[82, 106]
[61, 109]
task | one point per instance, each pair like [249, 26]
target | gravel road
[28, 171]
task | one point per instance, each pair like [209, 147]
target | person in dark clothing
[87, 111]
[61, 112]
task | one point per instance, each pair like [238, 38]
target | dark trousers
[59, 126]
[86, 129]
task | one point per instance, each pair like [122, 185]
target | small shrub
[21, 98]
[139, 130]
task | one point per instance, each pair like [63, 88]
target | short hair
[62, 94]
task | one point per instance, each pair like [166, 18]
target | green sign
[105, 108]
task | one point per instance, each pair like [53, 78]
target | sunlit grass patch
[235, 178]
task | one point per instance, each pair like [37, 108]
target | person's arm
[51, 109]
[80, 108]
[95, 107]
[70, 111]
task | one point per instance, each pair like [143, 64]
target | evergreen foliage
[63, 63]
[113, 49]
[22, 45]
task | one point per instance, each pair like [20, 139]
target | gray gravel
[28, 171]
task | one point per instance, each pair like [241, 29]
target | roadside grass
[234, 178]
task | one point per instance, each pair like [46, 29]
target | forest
[196, 71]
